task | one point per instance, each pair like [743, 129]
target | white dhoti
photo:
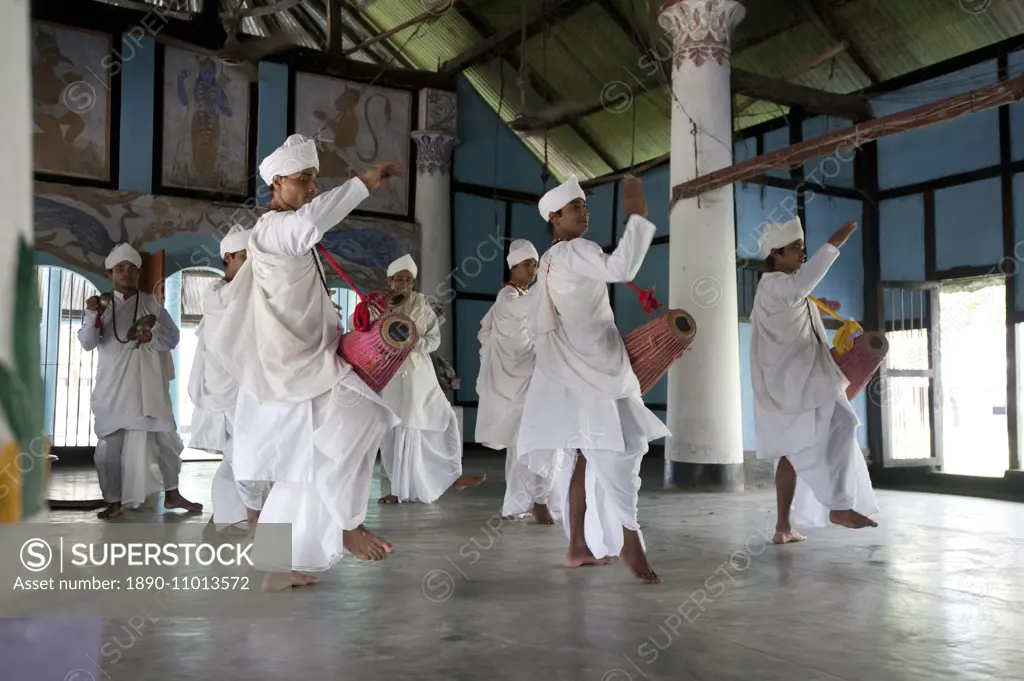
[422, 463]
[524, 488]
[613, 436]
[233, 498]
[321, 473]
[832, 475]
[134, 464]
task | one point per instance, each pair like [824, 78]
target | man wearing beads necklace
[131, 401]
[584, 416]
[304, 420]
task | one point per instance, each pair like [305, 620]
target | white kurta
[800, 406]
[304, 419]
[131, 400]
[507, 361]
[584, 394]
[214, 393]
[422, 456]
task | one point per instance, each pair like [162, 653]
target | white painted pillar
[435, 142]
[704, 408]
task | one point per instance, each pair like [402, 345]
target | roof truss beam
[498, 44]
[826, 15]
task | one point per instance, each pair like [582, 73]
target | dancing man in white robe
[584, 415]
[304, 420]
[422, 457]
[214, 392]
[802, 418]
[506, 365]
[131, 401]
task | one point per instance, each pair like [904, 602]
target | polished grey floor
[936, 592]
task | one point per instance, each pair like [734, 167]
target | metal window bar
[69, 373]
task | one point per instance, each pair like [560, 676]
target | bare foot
[252, 517]
[111, 511]
[467, 481]
[279, 581]
[636, 560]
[787, 537]
[389, 499]
[542, 515]
[851, 519]
[579, 556]
[365, 545]
[173, 499]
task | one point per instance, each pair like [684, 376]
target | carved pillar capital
[701, 28]
[434, 151]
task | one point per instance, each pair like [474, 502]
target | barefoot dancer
[584, 397]
[802, 417]
[506, 365]
[131, 402]
[421, 457]
[304, 420]
[214, 392]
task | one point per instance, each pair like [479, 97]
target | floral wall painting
[71, 101]
[205, 124]
[356, 126]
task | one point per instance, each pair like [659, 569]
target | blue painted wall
[957, 146]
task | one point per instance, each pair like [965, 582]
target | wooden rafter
[746, 83]
[826, 15]
[851, 107]
[849, 139]
[356, 17]
[498, 44]
[430, 15]
[540, 85]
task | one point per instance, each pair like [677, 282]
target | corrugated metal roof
[589, 48]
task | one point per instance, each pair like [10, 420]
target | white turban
[560, 197]
[237, 239]
[298, 153]
[520, 250]
[780, 234]
[120, 254]
[404, 263]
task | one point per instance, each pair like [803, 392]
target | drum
[862, 361]
[377, 353]
[654, 346]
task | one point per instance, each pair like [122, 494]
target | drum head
[681, 323]
[145, 323]
[399, 331]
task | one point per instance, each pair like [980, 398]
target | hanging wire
[497, 131]
[545, 174]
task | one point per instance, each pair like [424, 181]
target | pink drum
[861, 363]
[377, 353]
[654, 346]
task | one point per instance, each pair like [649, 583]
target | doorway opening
[972, 325]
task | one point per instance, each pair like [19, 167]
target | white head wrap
[520, 250]
[237, 239]
[298, 153]
[120, 254]
[404, 263]
[559, 197]
[780, 234]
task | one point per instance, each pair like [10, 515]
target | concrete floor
[935, 592]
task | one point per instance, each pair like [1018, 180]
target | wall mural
[205, 124]
[81, 225]
[71, 101]
[355, 126]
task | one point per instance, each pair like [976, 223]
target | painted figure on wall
[63, 103]
[354, 127]
[205, 124]
[209, 102]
